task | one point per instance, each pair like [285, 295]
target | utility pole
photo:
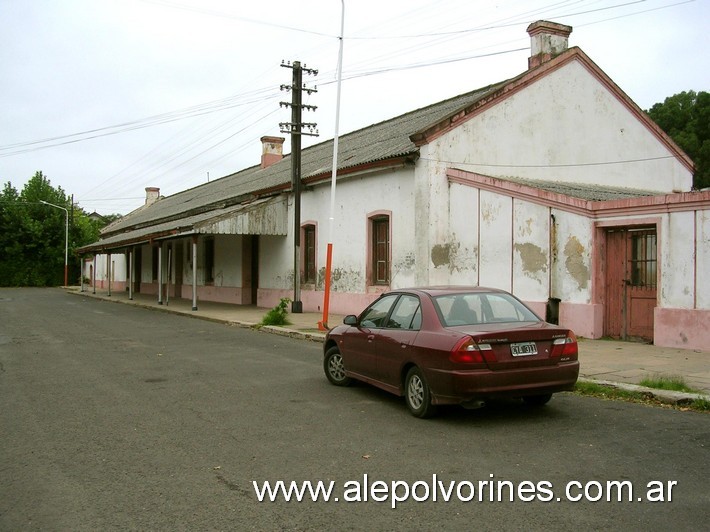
[295, 128]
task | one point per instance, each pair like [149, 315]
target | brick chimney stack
[152, 194]
[547, 40]
[272, 150]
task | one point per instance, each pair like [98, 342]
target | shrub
[277, 315]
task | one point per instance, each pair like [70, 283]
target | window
[309, 254]
[406, 314]
[376, 315]
[209, 260]
[477, 308]
[380, 238]
[643, 259]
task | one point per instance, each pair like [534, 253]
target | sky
[108, 97]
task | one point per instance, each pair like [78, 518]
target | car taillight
[467, 351]
[565, 347]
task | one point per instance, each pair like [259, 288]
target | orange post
[323, 325]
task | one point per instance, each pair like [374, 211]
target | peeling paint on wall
[441, 255]
[342, 280]
[533, 257]
[404, 265]
[575, 262]
[454, 256]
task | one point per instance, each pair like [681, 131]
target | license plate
[523, 349]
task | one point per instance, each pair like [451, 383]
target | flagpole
[323, 325]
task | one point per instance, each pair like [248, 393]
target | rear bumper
[460, 386]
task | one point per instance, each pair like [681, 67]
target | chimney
[152, 194]
[547, 40]
[272, 150]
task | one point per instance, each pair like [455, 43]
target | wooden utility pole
[295, 128]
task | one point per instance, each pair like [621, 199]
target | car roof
[434, 291]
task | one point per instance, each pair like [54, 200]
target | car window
[375, 315]
[473, 309]
[406, 314]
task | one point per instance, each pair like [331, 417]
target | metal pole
[323, 325]
[93, 275]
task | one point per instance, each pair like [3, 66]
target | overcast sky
[107, 97]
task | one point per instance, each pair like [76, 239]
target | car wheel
[334, 368]
[537, 400]
[417, 394]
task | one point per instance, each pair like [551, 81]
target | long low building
[553, 185]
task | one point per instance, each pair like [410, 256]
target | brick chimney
[547, 40]
[272, 150]
[152, 194]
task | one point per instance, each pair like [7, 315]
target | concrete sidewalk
[622, 364]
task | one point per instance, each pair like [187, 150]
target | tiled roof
[384, 140]
[583, 191]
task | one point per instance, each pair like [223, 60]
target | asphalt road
[116, 417]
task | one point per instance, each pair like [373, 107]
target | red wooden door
[641, 282]
[630, 277]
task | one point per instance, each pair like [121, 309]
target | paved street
[119, 417]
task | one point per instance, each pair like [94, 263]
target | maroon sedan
[452, 345]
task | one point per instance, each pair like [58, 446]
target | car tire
[417, 394]
[335, 368]
[537, 400]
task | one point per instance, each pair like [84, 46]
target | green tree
[685, 117]
[32, 234]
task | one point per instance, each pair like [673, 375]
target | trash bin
[552, 311]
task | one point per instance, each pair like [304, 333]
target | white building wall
[677, 288]
[227, 260]
[702, 288]
[571, 279]
[461, 249]
[565, 127]
[496, 230]
[356, 198]
[531, 251]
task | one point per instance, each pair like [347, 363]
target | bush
[277, 315]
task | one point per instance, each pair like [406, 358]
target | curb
[665, 396]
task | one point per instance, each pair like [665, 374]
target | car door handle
[403, 346]
[370, 337]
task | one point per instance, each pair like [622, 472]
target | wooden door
[641, 282]
[630, 274]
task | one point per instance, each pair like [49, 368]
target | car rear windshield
[477, 308]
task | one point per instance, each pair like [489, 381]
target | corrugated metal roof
[265, 216]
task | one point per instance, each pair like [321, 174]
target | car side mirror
[350, 319]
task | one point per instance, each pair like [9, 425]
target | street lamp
[66, 240]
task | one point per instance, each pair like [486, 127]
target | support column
[160, 274]
[130, 274]
[108, 273]
[194, 273]
[93, 275]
